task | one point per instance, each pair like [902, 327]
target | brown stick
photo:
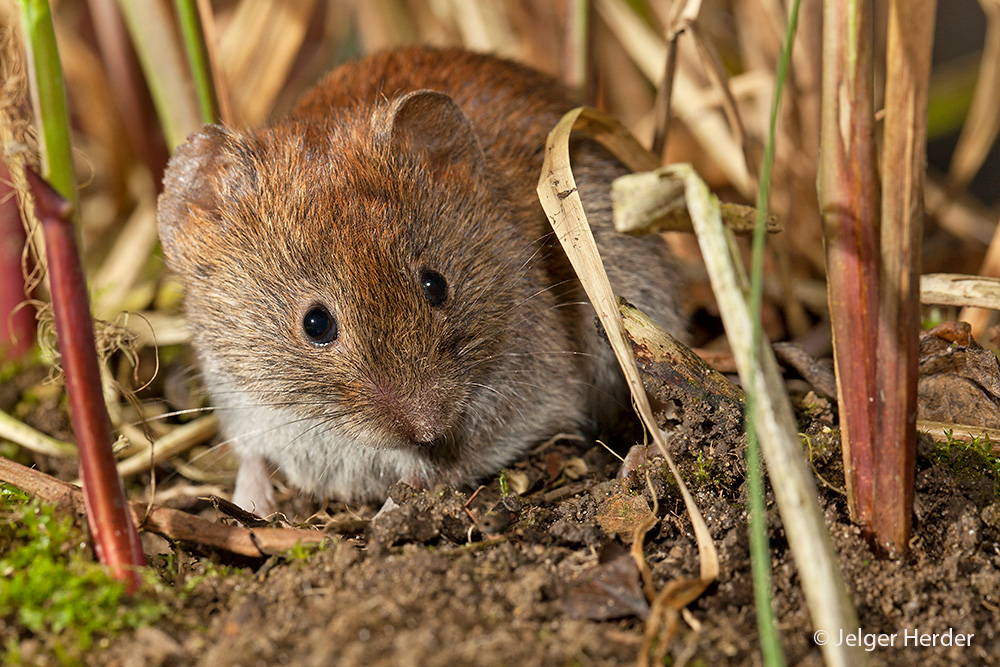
[115, 538]
[170, 523]
[908, 58]
[848, 189]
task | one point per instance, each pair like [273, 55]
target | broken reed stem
[848, 197]
[908, 63]
[116, 541]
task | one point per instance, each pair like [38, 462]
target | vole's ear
[193, 185]
[430, 123]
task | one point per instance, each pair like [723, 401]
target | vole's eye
[435, 287]
[319, 325]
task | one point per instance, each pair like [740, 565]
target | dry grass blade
[20, 433]
[956, 289]
[575, 57]
[564, 208]
[791, 478]
[165, 66]
[257, 51]
[154, 327]
[649, 52]
[176, 442]
[720, 79]
[983, 122]
[123, 265]
[681, 14]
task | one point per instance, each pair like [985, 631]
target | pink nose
[420, 417]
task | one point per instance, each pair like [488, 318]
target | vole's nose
[421, 416]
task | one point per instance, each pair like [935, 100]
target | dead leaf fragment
[959, 380]
[607, 591]
[622, 513]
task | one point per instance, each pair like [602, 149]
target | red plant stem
[17, 320]
[115, 538]
[908, 63]
[849, 203]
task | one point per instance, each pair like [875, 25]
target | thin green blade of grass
[791, 478]
[48, 99]
[197, 55]
[760, 556]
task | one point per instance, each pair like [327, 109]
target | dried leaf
[607, 591]
[561, 201]
[959, 379]
[622, 513]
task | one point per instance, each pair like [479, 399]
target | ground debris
[959, 379]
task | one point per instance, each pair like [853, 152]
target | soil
[543, 575]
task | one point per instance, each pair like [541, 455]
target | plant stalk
[911, 34]
[116, 541]
[849, 205]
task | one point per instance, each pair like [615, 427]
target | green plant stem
[770, 640]
[48, 98]
[194, 44]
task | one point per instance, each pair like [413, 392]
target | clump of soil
[542, 577]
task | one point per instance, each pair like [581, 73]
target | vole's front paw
[254, 491]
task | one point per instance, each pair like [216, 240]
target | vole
[373, 290]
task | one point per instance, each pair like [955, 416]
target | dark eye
[435, 287]
[319, 325]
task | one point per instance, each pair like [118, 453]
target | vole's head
[359, 269]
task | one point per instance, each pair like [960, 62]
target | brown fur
[343, 203]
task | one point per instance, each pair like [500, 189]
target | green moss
[703, 471]
[974, 459]
[51, 591]
[302, 552]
